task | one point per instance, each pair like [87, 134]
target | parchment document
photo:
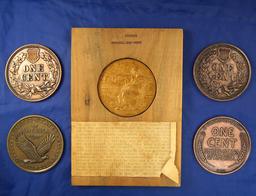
[124, 149]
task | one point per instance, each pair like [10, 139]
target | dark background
[204, 22]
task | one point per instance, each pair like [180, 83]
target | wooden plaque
[92, 50]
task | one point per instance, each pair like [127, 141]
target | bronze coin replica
[127, 87]
[222, 145]
[222, 72]
[33, 72]
[35, 143]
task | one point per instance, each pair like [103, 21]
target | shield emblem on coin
[33, 55]
[223, 54]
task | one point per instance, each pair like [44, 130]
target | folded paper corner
[170, 170]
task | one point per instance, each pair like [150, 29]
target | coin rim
[58, 158]
[12, 56]
[98, 89]
[212, 46]
[247, 156]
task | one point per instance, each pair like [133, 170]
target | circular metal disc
[35, 143]
[127, 87]
[33, 72]
[222, 145]
[222, 72]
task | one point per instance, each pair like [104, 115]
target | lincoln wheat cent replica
[222, 145]
[127, 87]
[35, 143]
[222, 72]
[33, 72]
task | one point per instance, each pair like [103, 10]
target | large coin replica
[127, 87]
[222, 145]
[35, 143]
[33, 72]
[222, 72]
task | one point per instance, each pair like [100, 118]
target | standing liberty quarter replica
[222, 72]
[35, 143]
[222, 145]
[127, 87]
[33, 72]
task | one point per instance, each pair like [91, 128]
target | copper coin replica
[222, 145]
[33, 72]
[127, 87]
[35, 143]
[222, 72]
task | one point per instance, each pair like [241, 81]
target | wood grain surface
[160, 49]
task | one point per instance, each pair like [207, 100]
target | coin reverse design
[33, 72]
[127, 87]
[222, 72]
[35, 143]
[222, 145]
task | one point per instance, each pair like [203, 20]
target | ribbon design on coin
[222, 72]
[33, 72]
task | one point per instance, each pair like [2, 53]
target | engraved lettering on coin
[127, 87]
[33, 72]
[222, 72]
[222, 145]
[35, 143]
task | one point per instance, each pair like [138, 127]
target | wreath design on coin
[223, 79]
[27, 90]
[222, 72]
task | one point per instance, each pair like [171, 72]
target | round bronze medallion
[222, 72]
[127, 87]
[35, 143]
[33, 72]
[222, 145]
